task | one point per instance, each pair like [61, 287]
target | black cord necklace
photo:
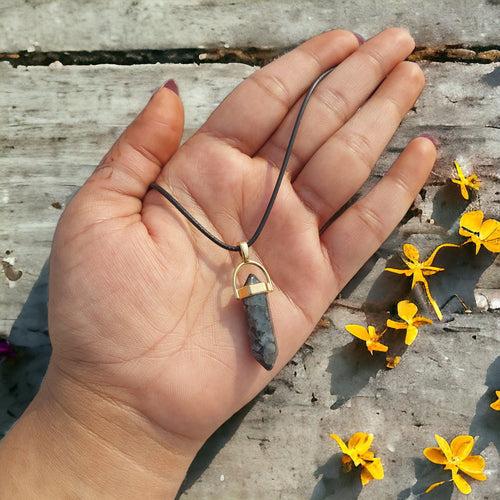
[254, 292]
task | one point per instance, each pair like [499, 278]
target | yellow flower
[472, 181]
[496, 404]
[373, 469]
[357, 451]
[369, 335]
[407, 311]
[456, 457]
[392, 361]
[480, 232]
[419, 270]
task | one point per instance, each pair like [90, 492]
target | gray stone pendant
[260, 325]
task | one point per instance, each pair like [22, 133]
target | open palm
[141, 304]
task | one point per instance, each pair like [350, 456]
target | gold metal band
[244, 251]
[254, 288]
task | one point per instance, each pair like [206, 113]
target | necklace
[254, 292]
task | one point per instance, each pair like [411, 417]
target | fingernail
[431, 138]
[171, 85]
[361, 38]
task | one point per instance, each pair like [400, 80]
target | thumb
[121, 180]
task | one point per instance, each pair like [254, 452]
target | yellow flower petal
[361, 442]
[496, 404]
[488, 227]
[435, 455]
[445, 447]
[473, 182]
[411, 334]
[430, 270]
[476, 242]
[463, 191]
[341, 443]
[368, 455]
[407, 310]
[396, 325]
[347, 463]
[358, 331]
[461, 446]
[406, 272]
[459, 169]
[392, 361]
[366, 477]
[490, 235]
[372, 333]
[421, 320]
[375, 468]
[474, 464]
[492, 246]
[428, 262]
[434, 305]
[411, 252]
[478, 476]
[417, 278]
[470, 223]
[462, 485]
[376, 346]
[434, 485]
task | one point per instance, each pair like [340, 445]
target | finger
[250, 114]
[352, 238]
[137, 157]
[344, 162]
[338, 97]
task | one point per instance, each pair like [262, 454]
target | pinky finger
[353, 238]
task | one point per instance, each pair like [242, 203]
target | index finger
[251, 113]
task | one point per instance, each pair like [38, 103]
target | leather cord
[272, 199]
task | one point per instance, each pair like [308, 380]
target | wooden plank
[279, 447]
[149, 24]
[58, 122]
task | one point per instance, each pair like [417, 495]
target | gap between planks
[248, 55]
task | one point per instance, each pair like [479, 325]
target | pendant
[260, 325]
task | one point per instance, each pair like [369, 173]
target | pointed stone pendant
[260, 325]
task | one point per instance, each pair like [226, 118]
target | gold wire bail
[253, 288]
[244, 251]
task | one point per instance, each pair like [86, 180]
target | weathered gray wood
[282, 449]
[58, 122]
[278, 446]
[55, 123]
[149, 24]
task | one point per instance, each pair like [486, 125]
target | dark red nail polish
[431, 138]
[171, 85]
[360, 38]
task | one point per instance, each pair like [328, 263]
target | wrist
[74, 440]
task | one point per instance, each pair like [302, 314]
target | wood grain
[129, 24]
[58, 122]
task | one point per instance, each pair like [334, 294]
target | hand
[141, 310]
